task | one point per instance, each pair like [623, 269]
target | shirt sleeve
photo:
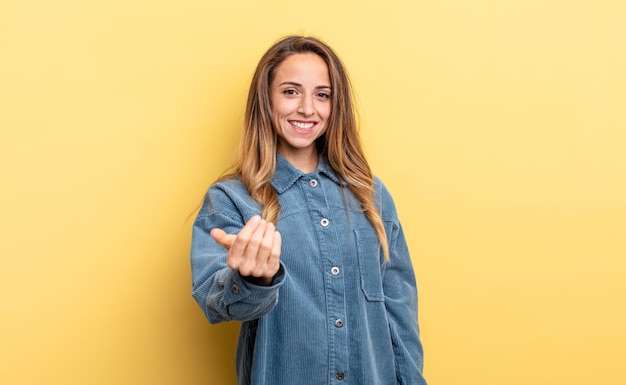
[400, 290]
[220, 291]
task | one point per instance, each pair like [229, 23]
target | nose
[306, 106]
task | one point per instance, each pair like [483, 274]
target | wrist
[259, 281]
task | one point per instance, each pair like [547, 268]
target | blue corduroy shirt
[336, 312]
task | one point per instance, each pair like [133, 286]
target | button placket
[321, 210]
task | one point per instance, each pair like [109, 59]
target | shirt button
[334, 270]
[235, 288]
[313, 183]
[339, 323]
[339, 376]
[324, 222]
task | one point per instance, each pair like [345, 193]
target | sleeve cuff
[237, 289]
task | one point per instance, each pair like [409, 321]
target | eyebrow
[289, 83]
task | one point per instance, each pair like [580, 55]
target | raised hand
[254, 252]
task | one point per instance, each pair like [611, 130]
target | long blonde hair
[340, 144]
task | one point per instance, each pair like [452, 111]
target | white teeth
[301, 126]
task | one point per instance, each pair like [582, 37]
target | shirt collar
[286, 174]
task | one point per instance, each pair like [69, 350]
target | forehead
[301, 67]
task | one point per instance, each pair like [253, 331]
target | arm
[400, 291]
[222, 292]
[401, 302]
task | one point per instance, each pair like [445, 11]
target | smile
[302, 125]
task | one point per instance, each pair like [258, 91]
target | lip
[302, 126]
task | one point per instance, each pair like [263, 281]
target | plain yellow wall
[499, 126]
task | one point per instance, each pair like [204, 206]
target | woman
[302, 244]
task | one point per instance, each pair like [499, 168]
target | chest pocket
[369, 252]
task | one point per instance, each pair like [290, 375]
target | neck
[306, 163]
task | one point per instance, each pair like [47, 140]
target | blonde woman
[301, 243]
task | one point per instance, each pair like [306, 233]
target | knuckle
[233, 261]
[244, 270]
[258, 272]
[254, 241]
[275, 253]
[266, 245]
[243, 237]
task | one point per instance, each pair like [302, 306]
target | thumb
[222, 238]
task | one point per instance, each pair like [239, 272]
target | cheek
[326, 110]
[283, 108]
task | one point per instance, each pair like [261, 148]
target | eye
[324, 95]
[290, 91]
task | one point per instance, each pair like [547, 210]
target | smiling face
[301, 106]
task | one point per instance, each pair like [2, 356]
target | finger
[243, 237]
[222, 238]
[260, 269]
[226, 240]
[238, 247]
[249, 262]
[273, 262]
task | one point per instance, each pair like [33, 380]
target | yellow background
[498, 125]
